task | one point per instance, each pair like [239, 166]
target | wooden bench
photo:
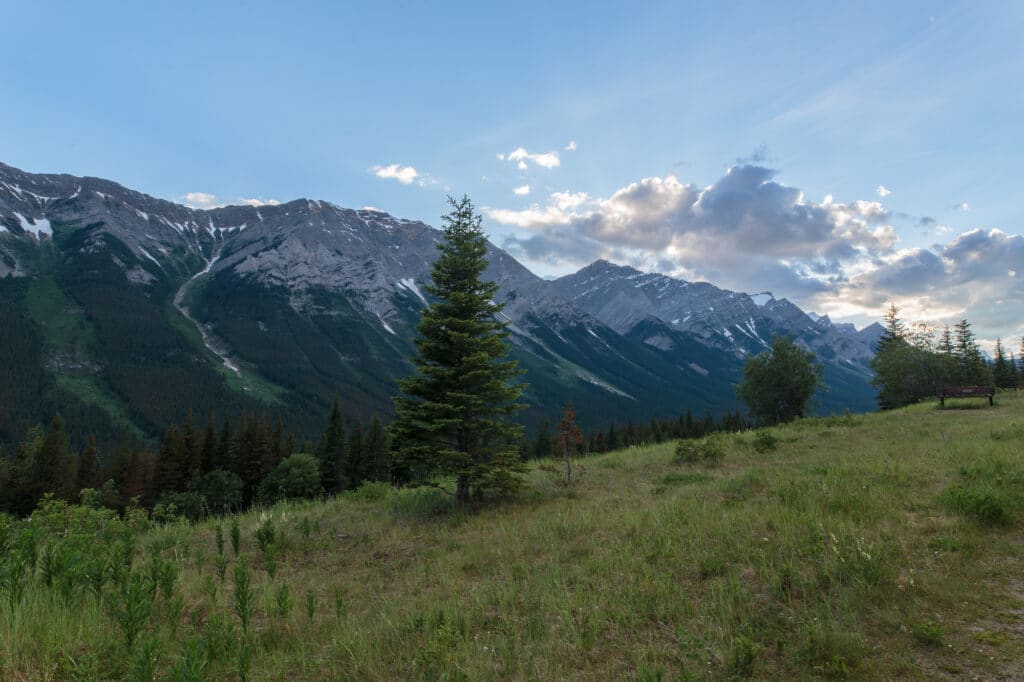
[967, 392]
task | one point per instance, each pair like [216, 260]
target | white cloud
[963, 207]
[571, 147]
[747, 231]
[568, 200]
[201, 200]
[404, 174]
[260, 202]
[521, 191]
[544, 160]
[883, 191]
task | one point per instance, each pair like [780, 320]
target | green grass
[836, 554]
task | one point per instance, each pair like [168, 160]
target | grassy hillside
[871, 547]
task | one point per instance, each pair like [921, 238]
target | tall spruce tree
[332, 453]
[1002, 369]
[377, 460]
[452, 414]
[971, 367]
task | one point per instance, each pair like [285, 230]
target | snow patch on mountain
[39, 227]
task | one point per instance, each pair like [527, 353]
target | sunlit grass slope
[870, 547]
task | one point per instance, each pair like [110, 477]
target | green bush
[296, 477]
[928, 633]
[190, 505]
[765, 441]
[222, 490]
[978, 502]
[708, 450]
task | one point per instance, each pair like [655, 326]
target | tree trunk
[462, 490]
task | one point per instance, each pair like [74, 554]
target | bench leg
[990, 403]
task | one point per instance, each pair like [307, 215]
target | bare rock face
[623, 297]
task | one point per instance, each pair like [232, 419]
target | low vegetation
[876, 546]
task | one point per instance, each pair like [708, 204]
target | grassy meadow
[869, 547]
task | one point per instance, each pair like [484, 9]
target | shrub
[190, 505]
[765, 441]
[979, 503]
[222, 490]
[928, 633]
[708, 450]
[296, 477]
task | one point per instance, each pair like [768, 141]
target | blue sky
[892, 130]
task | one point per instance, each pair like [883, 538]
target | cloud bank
[749, 232]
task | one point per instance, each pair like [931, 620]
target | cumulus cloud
[571, 147]
[745, 212]
[963, 207]
[521, 191]
[404, 174]
[972, 276]
[883, 191]
[201, 200]
[747, 231]
[260, 202]
[521, 156]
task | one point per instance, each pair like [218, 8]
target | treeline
[220, 468]
[216, 467]
[630, 434]
[914, 362]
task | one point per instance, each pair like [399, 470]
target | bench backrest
[968, 391]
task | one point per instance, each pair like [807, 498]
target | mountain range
[121, 310]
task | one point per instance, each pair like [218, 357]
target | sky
[841, 156]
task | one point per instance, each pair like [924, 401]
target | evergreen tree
[542, 444]
[226, 457]
[1002, 373]
[945, 345]
[971, 367]
[452, 416]
[612, 441]
[89, 474]
[56, 465]
[117, 468]
[778, 384]
[895, 329]
[378, 463]
[331, 453]
[26, 481]
[172, 465]
[356, 461]
[192, 448]
[210, 446]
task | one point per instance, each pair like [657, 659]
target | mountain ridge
[288, 305]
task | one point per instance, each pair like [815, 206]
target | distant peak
[603, 266]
